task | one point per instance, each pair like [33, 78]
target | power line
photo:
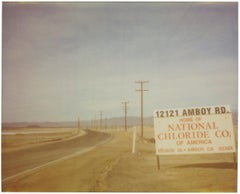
[141, 90]
[125, 111]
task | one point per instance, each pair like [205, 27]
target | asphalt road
[19, 161]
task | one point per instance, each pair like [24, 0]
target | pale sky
[64, 60]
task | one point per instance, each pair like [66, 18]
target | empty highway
[17, 162]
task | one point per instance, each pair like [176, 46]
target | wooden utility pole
[125, 111]
[141, 90]
[100, 113]
[105, 123]
[78, 123]
[95, 122]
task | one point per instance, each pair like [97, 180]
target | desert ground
[105, 163]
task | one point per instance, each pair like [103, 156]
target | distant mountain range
[111, 122]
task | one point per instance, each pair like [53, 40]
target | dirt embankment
[112, 167]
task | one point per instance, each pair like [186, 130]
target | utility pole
[95, 122]
[125, 110]
[105, 123]
[100, 113]
[141, 90]
[78, 123]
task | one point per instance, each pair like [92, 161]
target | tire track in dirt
[101, 184]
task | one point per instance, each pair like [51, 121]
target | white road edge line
[55, 161]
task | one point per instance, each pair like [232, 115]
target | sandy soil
[15, 139]
[113, 167]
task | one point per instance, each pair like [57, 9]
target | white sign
[194, 130]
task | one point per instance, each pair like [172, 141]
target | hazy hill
[111, 122]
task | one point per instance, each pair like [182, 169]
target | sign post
[158, 162]
[134, 140]
[198, 130]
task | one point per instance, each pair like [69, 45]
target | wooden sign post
[158, 162]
